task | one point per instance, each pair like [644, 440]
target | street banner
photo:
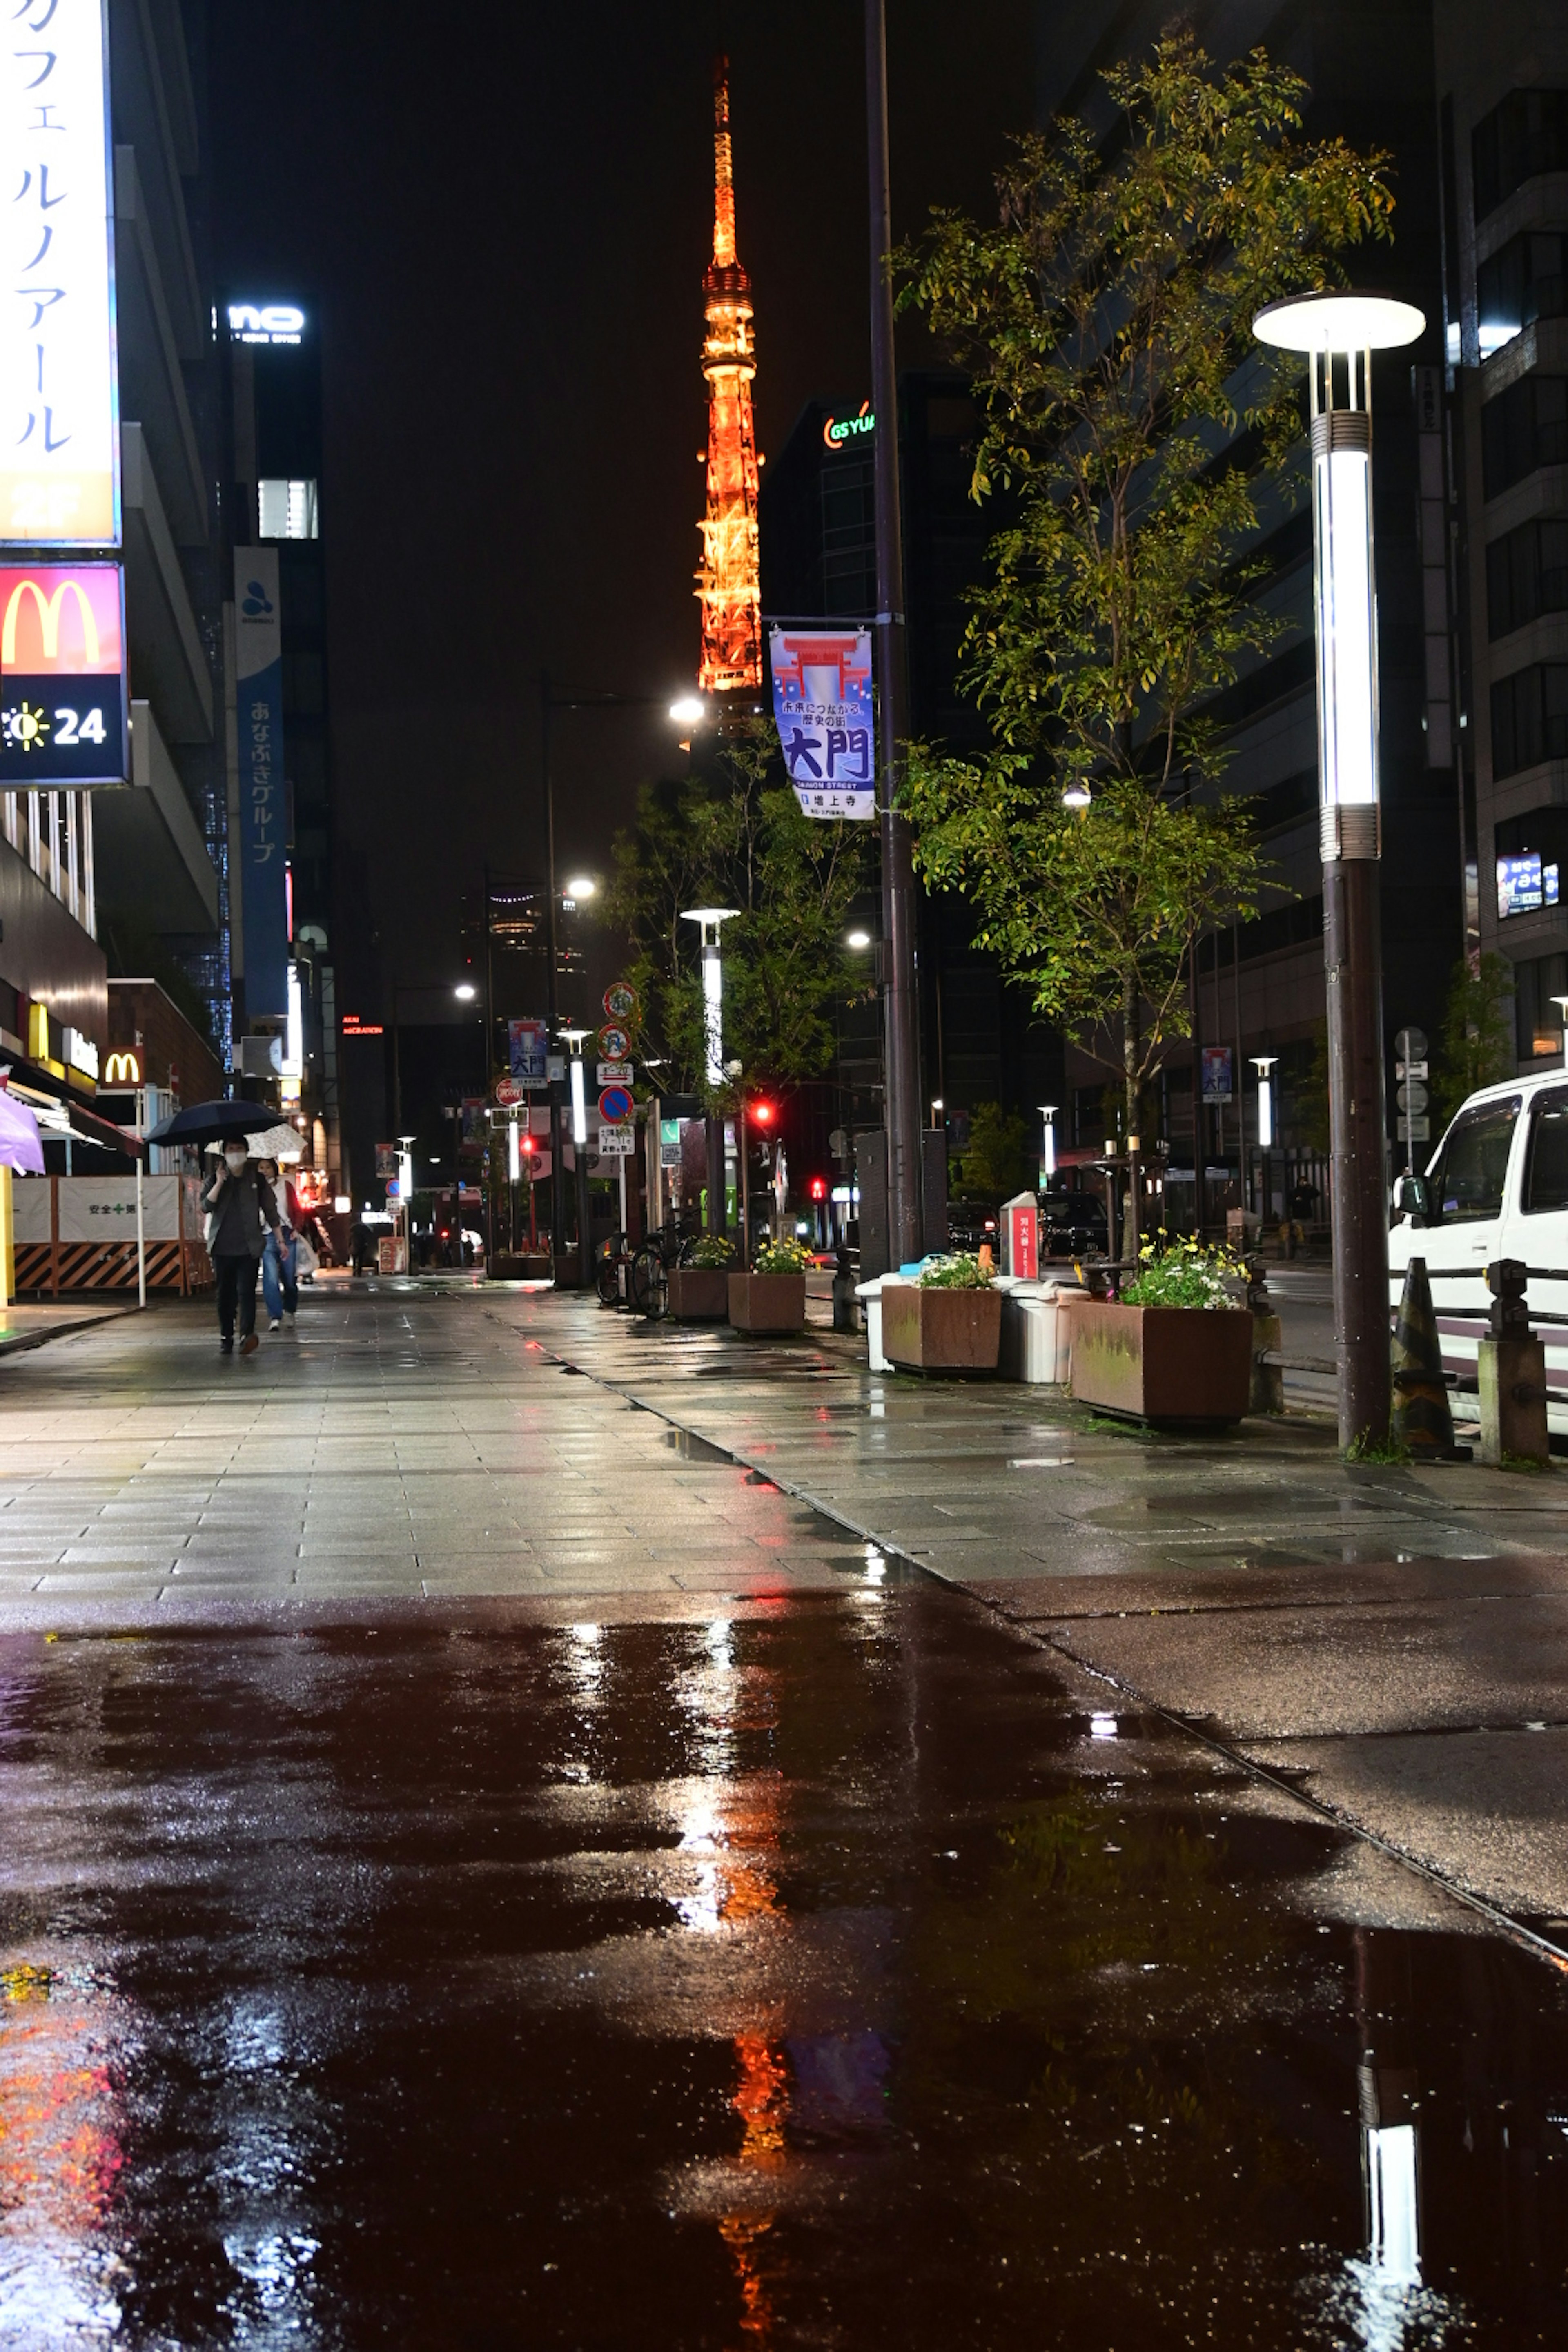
[528, 1042]
[60, 402]
[62, 676]
[263, 811]
[1217, 1087]
[827, 723]
[385, 1162]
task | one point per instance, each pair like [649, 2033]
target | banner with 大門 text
[827, 721]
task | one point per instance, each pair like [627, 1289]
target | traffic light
[819, 1188]
[764, 1113]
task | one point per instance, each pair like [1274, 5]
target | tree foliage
[1477, 1046]
[1137, 436]
[997, 1160]
[738, 839]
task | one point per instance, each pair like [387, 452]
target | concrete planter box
[941, 1330]
[698, 1294]
[1169, 1364]
[508, 1266]
[767, 1302]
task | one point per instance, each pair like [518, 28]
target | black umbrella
[205, 1122]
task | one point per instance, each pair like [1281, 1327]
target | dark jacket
[239, 1204]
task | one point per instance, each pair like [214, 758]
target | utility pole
[901, 1043]
[557, 1174]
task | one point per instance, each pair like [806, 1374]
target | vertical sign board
[59, 401]
[528, 1045]
[62, 676]
[1217, 1081]
[263, 801]
[823, 710]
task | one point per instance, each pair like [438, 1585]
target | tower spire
[727, 584]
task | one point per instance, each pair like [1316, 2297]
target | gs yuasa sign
[62, 676]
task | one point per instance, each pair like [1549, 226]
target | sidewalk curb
[1503, 1922]
[24, 1341]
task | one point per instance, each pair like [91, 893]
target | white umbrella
[280, 1143]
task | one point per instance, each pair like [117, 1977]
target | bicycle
[611, 1259]
[648, 1280]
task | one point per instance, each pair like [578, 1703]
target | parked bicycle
[648, 1281]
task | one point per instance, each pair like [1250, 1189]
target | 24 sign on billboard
[62, 676]
[59, 401]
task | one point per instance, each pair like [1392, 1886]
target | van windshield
[1466, 1185]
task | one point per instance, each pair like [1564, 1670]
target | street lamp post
[1263, 1064]
[1048, 1145]
[1339, 333]
[687, 711]
[579, 1082]
[901, 1043]
[709, 919]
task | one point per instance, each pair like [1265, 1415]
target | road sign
[508, 1092]
[614, 1074]
[1410, 1045]
[615, 1043]
[616, 1106]
[1416, 1130]
[617, 1142]
[1411, 1070]
[622, 1003]
[1412, 1096]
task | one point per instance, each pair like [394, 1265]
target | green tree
[997, 1160]
[1477, 1046]
[1138, 434]
[739, 839]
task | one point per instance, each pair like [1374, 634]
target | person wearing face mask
[239, 1204]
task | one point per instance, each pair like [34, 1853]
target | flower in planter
[1187, 1273]
[961, 1271]
[784, 1256]
[712, 1250]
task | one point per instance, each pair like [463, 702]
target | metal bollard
[1512, 1374]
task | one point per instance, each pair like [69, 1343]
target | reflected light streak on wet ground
[836, 1970]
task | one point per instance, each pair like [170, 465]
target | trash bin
[1036, 1331]
[869, 1294]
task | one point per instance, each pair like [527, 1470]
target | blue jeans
[277, 1283]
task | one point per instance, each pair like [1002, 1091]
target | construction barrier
[76, 1234]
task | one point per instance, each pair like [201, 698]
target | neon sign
[274, 322]
[837, 430]
[62, 676]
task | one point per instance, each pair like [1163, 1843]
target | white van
[1496, 1187]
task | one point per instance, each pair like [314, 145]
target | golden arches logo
[49, 609]
[122, 1070]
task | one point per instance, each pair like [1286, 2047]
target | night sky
[501, 217]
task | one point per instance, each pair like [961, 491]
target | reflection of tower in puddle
[60, 2156]
[731, 1829]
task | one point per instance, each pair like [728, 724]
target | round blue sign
[615, 1104]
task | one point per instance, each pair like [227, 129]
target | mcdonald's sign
[63, 721]
[122, 1070]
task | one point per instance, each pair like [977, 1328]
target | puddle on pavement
[692, 1448]
[832, 1970]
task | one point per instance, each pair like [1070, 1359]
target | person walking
[239, 1202]
[280, 1283]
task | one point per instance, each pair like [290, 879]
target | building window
[1522, 282]
[1537, 1021]
[1531, 856]
[1524, 427]
[288, 509]
[1527, 575]
[1526, 135]
[1530, 718]
[849, 536]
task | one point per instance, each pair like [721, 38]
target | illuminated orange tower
[727, 586]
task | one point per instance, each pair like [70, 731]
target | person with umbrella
[239, 1202]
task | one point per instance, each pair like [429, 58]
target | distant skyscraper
[727, 583]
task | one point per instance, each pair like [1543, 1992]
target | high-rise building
[280, 877]
[1502, 87]
[727, 582]
[107, 371]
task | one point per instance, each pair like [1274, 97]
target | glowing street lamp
[1048, 1145]
[1339, 333]
[711, 918]
[689, 710]
[1263, 1064]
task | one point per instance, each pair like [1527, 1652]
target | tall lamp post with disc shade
[1339, 333]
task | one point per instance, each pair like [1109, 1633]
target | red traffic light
[764, 1113]
[819, 1188]
[526, 1143]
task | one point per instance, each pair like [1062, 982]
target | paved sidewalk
[1393, 1643]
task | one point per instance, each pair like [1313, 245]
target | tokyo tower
[728, 583]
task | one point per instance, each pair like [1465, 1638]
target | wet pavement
[517, 1829]
[830, 1969]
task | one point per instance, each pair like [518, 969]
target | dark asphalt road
[820, 1969]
